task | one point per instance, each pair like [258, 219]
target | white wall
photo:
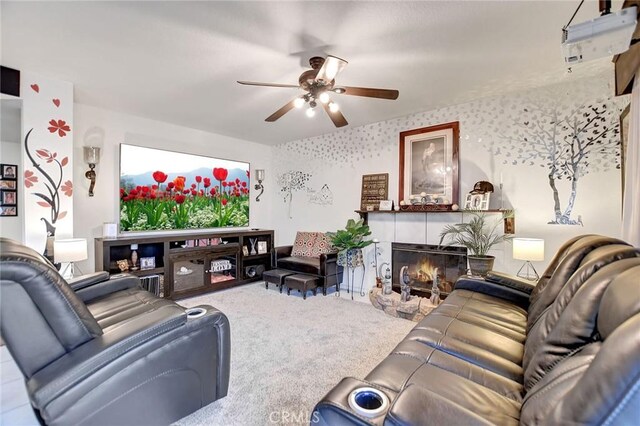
[490, 135]
[108, 129]
[10, 130]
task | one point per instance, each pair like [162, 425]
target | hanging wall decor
[292, 181]
[323, 197]
[569, 144]
[8, 190]
[429, 162]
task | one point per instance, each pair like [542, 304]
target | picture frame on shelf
[147, 263]
[245, 251]
[429, 162]
[477, 201]
[9, 171]
[386, 205]
[262, 247]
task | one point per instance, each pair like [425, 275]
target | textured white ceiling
[178, 61]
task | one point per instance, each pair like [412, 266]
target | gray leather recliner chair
[102, 350]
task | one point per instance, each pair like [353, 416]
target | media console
[183, 265]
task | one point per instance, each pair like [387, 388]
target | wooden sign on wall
[375, 188]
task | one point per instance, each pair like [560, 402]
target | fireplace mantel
[364, 214]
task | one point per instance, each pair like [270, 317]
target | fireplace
[424, 261]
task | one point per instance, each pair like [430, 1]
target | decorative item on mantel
[478, 237]
[375, 188]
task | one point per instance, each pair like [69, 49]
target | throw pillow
[322, 245]
[304, 244]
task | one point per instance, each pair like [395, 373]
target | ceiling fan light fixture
[339, 90]
[324, 97]
[310, 112]
[299, 102]
[334, 107]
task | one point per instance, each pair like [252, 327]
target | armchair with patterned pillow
[311, 254]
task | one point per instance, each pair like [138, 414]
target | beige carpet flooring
[287, 353]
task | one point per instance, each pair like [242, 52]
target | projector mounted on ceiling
[606, 35]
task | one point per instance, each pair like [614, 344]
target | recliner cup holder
[193, 313]
[368, 402]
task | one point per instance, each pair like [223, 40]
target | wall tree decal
[570, 145]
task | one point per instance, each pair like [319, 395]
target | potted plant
[478, 237]
[349, 242]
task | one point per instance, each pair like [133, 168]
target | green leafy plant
[352, 237]
[477, 235]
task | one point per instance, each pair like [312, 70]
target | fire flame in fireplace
[426, 270]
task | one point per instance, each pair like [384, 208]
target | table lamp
[69, 251]
[528, 249]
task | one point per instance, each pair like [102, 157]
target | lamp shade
[91, 154]
[528, 249]
[70, 250]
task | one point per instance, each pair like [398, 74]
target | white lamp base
[529, 272]
[70, 269]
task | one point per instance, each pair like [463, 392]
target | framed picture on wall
[7, 184]
[9, 171]
[8, 198]
[429, 162]
[9, 211]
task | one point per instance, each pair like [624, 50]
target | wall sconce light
[259, 178]
[91, 157]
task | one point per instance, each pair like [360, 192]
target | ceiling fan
[319, 82]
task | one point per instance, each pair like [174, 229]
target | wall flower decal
[35, 88]
[49, 195]
[59, 126]
[56, 102]
[30, 179]
[67, 188]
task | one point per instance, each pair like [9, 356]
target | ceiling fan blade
[282, 111]
[253, 83]
[330, 69]
[370, 92]
[337, 117]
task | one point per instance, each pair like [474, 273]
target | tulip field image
[163, 190]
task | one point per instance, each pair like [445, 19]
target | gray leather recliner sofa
[500, 351]
[104, 351]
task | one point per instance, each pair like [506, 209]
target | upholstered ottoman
[302, 283]
[275, 276]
